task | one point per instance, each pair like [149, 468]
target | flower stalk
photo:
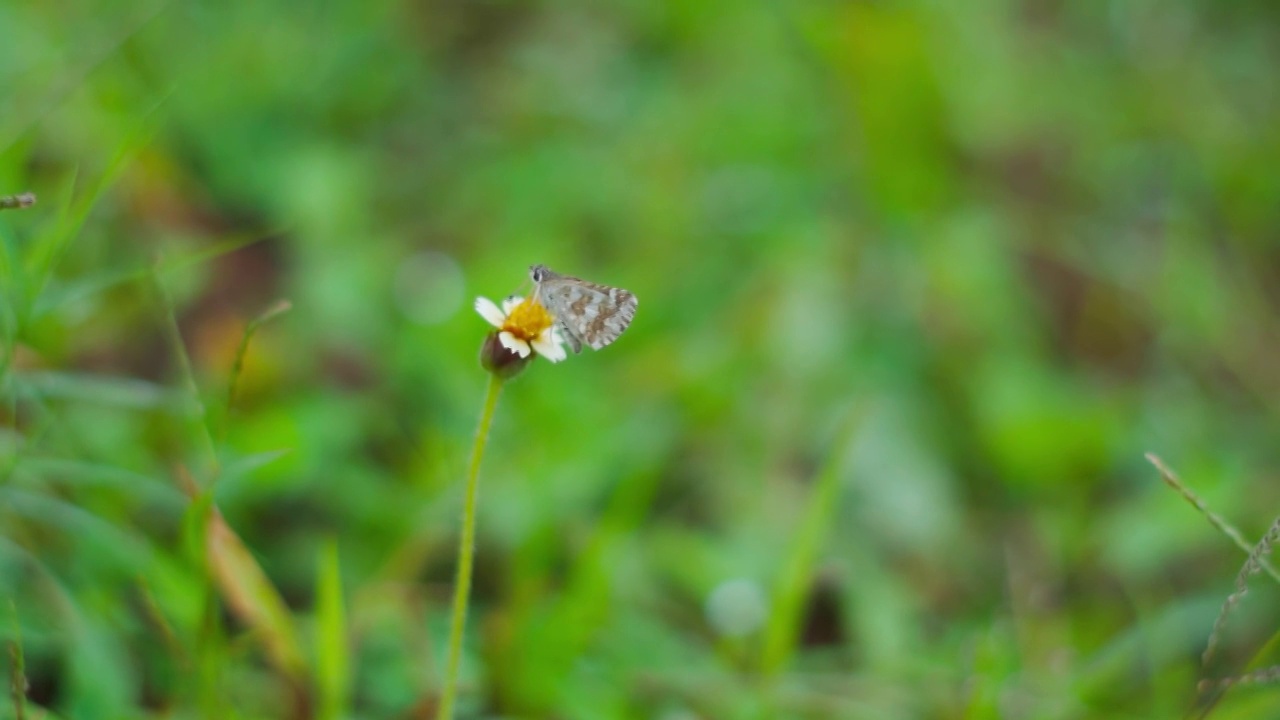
[523, 330]
[466, 551]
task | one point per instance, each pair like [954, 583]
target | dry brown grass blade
[252, 597]
[248, 591]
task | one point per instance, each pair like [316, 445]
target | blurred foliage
[919, 284]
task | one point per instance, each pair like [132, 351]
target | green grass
[919, 286]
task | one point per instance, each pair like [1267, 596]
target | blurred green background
[919, 284]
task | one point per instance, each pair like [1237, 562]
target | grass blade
[200, 423]
[252, 597]
[332, 670]
[281, 307]
[791, 591]
[17, 668]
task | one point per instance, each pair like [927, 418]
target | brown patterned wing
[587, 313]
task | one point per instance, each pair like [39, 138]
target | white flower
[525, 327]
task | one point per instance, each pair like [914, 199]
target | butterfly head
[538, 272]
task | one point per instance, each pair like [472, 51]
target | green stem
[466, 553]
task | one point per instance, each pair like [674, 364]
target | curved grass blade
[791, 590]
[252, 597]
[131, 552]
[279, 308]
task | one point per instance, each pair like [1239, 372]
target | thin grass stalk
[17, 668]
[1251, 567]
[1216, 520]
[1211, 690]
[237, 366]
[1265, 676]
[466, 552]
[173, 334]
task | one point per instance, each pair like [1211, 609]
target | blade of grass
[76, 73]
[76, 290]
[69, 627]
[98, 683]
[17, 668]
[156, 615]
[211, 660]
[12, 299]
[210, 646]
[173, 334]
[238, 469]
[48, 251]
[279, 308]
[129, 550]
[252, 596]
[45, 254]
[33, 259]
[332, 671]
[791, 590]
[94, 683]
[235, 574]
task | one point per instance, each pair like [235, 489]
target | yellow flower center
[527, 320]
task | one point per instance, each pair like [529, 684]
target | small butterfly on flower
[585, 313]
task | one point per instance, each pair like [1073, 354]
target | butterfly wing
[587, 313]
[570, 336]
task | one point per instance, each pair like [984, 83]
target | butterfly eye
[535, 272]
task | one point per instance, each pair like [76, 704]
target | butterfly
[585, 312]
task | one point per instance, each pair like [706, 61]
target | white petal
[514, 344]
[510, 303]
[490, 312]
[548, 346]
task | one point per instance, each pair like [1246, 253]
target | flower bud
[500, 361]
